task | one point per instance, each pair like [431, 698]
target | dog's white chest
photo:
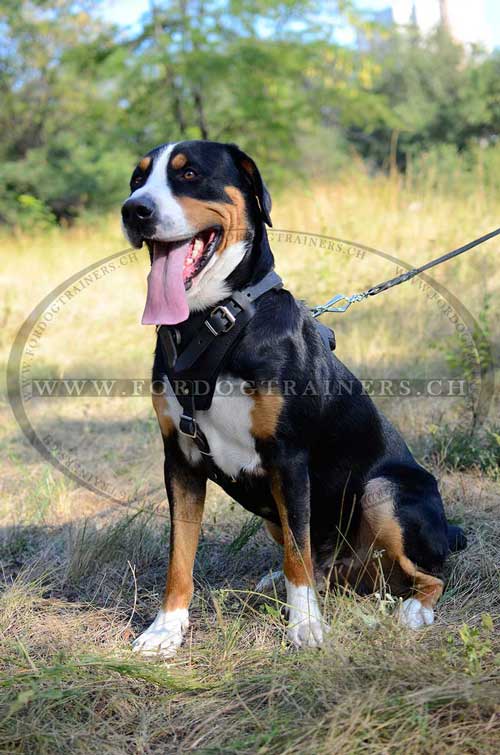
[227, 426]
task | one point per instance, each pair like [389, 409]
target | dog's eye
[136, 182]
[189, 174]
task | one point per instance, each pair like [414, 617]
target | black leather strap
[168, 345]
[196, 351]
[226, 319]
[327, 336]
[188, 426]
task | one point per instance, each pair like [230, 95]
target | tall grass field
[82, 574]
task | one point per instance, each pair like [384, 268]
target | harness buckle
[223, 312]
[188, 426]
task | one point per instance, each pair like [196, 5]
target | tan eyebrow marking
[247, 166]
[145, 163]
[179, 161]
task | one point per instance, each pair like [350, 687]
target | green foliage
[248, 530]
[63, 179]
[446, 169]
[33, 214]
[82, 100]
[469, 355]
[475, 646]
[458, 448]
[462, 446]
[436, 94]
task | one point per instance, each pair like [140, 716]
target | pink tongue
[166, 302]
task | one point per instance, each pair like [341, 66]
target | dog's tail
[456, 538]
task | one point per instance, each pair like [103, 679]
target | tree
[81, 101]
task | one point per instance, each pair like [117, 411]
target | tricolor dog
[255, 400]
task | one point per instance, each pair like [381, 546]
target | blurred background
[308, 87]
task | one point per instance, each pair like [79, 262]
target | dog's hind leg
[406, 524]
[275, 531]
[291, 492]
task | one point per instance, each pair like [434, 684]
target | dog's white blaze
[172, 223]
[414, 615]
[165, 633]
[209, 287]
[305, 622]
[227, 427]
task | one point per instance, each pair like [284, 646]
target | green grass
[81, 576]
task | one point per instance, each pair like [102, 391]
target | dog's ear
[252, 175]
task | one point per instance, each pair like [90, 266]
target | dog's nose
[138, 210]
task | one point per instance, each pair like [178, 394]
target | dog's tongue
[166, 302]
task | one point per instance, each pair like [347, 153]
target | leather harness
[195, 351]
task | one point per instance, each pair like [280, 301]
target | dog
[333, 480]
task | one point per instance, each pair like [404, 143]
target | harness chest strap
[209, 339]
[208, 345]
[230, 316]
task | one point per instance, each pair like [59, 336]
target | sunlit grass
[82, 576]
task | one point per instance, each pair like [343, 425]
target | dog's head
[200, 207]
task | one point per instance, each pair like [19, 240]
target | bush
[445, 168]
[459, 449]
[60, 181]
[33, 214]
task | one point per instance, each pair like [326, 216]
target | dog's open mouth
[202, 246]
[174, 265]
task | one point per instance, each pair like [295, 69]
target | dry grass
[82, 577]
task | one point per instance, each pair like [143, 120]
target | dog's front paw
[306, 627]
[164, 635]
[414, 615]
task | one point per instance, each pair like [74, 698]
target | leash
[374, 290]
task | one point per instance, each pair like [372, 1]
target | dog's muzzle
[140, 215]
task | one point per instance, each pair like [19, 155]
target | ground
[82, 575]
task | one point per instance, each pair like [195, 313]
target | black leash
[374, 290]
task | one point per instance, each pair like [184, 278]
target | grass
[82, 576]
